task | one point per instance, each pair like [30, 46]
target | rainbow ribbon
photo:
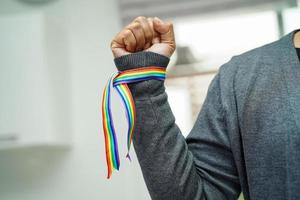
[119, 82]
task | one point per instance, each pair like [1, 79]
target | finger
[166, 31]
[148, 32]
[136, 29]
[129, 41]
[117, 45]
[155, 38]
[117, 42]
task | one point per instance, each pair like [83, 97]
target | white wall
[78, 172]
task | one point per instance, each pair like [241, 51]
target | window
[212, 41]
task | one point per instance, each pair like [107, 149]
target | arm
[200, 167]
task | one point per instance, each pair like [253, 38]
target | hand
[145, 34]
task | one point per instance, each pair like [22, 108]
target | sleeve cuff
[140, 60]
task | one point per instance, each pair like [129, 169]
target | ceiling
[130, 9]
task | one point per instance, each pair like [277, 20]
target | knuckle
[140, 18]
[150, 20]
[126, 33]
[137, 26]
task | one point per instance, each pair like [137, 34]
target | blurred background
[55, 60]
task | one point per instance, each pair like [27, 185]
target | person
[247, 135]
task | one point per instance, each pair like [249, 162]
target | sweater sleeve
[199, 167]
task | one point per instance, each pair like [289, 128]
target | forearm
[167, 164]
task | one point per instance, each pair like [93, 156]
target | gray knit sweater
[246, 137]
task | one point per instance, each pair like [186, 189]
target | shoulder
[247, 71]
[245, 68]
[251, 61]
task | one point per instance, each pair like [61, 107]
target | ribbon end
[108, 176]
[128, 157]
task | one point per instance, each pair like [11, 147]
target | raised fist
[145, 34]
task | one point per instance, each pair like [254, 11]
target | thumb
[165, 29]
